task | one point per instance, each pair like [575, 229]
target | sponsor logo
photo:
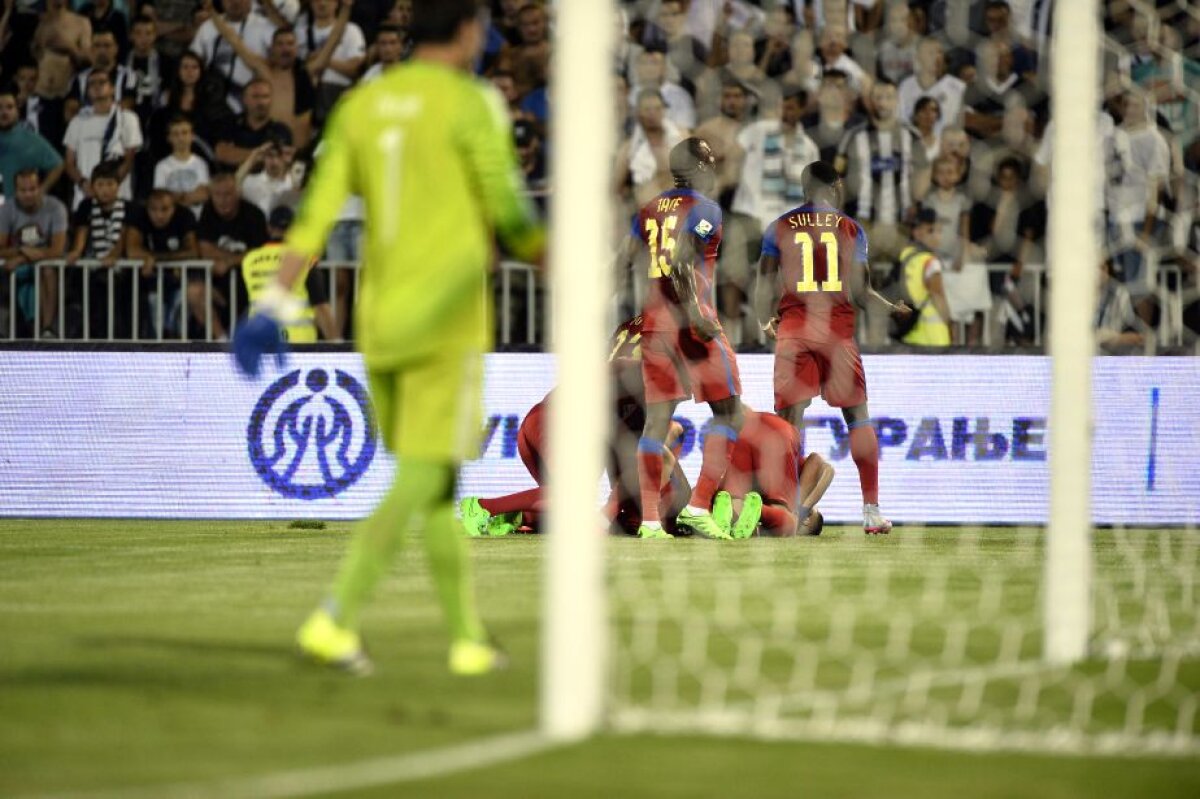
[311, 440]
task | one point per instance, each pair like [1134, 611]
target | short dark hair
[282, 30]
[687, 159]
[142, 20]
[990, 4]
[925, 102]
[818, 175]
[796, 93]
[438, 21]
[27, 172]
[107, 170]
[104, 30]
[9, 89]
[1012, 163]
[160, 194]
[387, 29]
[180, 119]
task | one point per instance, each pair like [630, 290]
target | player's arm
[937, 295]
[861, 286]
[485, 138]
[683, 278]
[766, 288]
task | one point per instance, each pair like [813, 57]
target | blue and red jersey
[659, 224]
[817, 247]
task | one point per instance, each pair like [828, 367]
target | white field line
[411, 767]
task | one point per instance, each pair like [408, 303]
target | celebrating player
[430, 151]
[820, 256]
[767, 485]
[505, 514]
[684, 351]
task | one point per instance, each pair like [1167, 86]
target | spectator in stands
[642, 159]
[183, 173]
[996, 88]
[62, 44]
[773, 50]
[530, 155]
[686, 55]
[25, 84]
[104, 16]
[997, 16]
[176, 22]
[150, 69]
[33, 227]
[886, 172]
[266, 176]
[229, 227]
[650, 75]
[530, 54]
[251, 129]
[721, 132]
[293, 82]
[218, 56]
[957, 144]
[896, 57]
[921, 276]
[164, 232]
[832, 48]
[966, 282]
[1004, 227]
[328, 23]
[931, 80]
[1136, 177]
[191, 96]
[390, 48]
[772, 154]
[740, 67]
[98, 133]
[104, 59]
[22, 148]
[828, 126]
[98, 226]
[925, 120]
[1117, 325]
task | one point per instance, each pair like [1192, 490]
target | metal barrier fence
[173, 301]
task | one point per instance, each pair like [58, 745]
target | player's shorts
[832, 369]
[677, 365]
[531, 441]
[431, 409]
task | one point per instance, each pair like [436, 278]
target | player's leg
[715, 380]
[816, 475]
[797, 380]
[845, 387]
[502, 515]
[664, 384]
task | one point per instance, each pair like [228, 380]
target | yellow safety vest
[930, 330]
[259, 268]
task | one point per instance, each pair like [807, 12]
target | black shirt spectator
[104, 16]
[252, 128]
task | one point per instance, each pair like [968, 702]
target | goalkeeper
[430, 151]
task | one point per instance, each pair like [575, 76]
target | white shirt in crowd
[1140, 157]
[681, 109]
[766, 175]
[178, 176]
[948, 91]
[255, 30]
[1105, 134]
[264, 191]
[85, 135]
[310, 38]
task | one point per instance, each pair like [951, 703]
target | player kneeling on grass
[429, 148]
[766, 485]
[521, 511]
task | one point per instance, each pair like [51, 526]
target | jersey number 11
[832, 282]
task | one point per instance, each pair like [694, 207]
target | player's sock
[864, 448]
[718, 448]
[511, 503]
[778, 520]
[449, 560]
[650, 466]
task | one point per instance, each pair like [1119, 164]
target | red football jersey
[659, 224]
[817, 247]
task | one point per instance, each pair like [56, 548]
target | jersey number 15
[662, 246]
[832, 281]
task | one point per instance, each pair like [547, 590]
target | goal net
[1039, 591]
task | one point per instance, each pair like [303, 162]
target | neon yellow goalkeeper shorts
[430, 410]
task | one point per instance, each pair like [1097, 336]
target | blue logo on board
[312, 440]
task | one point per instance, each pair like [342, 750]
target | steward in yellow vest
[921, 273]
[259, 268]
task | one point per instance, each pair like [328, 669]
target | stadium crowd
[169, 130]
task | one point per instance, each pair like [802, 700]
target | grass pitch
[142, 654]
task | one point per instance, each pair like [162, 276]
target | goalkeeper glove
[262, 333]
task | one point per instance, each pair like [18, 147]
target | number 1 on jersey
[662, 246]
[832, 281]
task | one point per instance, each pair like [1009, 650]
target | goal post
[575, 632]
[1075, 255]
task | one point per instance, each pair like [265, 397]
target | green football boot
[503, 524]
[474, 658]
[747, 521]
[653, 533]
[323, 641]
[702, 524]
[474, 518]
[722, 510]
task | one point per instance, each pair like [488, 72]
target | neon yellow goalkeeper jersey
[430, 151]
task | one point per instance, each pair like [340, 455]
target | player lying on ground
[766, 485]
[429, 149]
[684, 351]
[514, 512]
[812, 273]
